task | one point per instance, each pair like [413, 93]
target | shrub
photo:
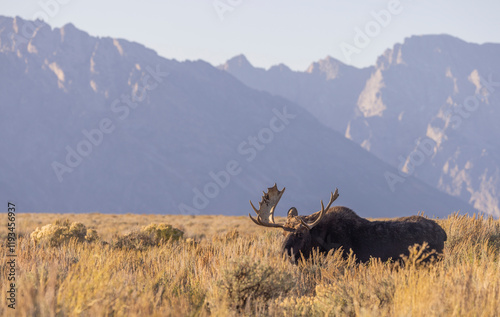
[151, 235]
[61, 232]
[246, 280]
[226, 237]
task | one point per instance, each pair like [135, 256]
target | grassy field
[229, 266]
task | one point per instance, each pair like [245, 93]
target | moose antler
[265, 214]
[322, 212]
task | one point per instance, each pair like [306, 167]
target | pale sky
[293, 32]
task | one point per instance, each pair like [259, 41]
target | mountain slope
[101, 124]
[328, 88]
[429, 107]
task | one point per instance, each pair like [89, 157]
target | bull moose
[332, 228]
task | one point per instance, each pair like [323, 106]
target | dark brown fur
[342, 227]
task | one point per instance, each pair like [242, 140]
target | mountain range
[429, 108]
[93, 124]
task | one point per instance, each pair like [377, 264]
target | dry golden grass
[108, 224]
[228, 266]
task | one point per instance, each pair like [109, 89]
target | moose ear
[292, 212]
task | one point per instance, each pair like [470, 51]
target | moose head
[298, 229]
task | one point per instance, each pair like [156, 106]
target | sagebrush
[221, 271]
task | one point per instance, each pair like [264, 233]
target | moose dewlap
[340, 227]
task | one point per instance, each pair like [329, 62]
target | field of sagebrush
[129, 265]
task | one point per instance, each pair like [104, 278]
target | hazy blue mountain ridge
[106, 125]
[429, 107]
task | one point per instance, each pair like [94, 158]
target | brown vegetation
[223, 266]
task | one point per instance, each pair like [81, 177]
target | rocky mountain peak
[237, 62]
